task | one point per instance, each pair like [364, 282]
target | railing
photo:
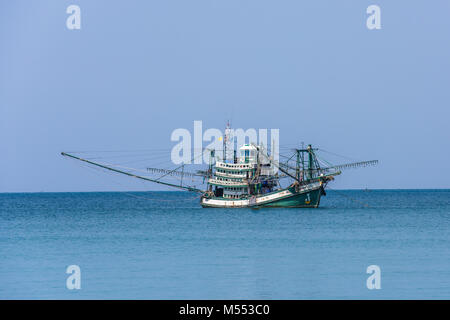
[229, 175]
[227, 183]
[235, 166]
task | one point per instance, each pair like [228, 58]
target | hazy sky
[137, 70]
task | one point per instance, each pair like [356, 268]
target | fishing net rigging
[136, 194]
[254, 174]
[117, 161]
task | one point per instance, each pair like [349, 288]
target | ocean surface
[163, 245]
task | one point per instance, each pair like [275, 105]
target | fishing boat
[251, 179]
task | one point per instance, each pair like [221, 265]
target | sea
[360, 244]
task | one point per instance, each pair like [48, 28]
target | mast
[310, 162]
[224, 148]
[133, 175]
[227, 139]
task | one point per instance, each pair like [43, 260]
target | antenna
[227, 139]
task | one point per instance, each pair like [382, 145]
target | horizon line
[125, 191]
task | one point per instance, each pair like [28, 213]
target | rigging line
[282, 170]
[132, 175]
[325, 162]
[103, 174]
[99, 172]
[338, 155]
[282, 155]
[146, 159]
[286, 145]
[112, 151]
[182, 165]
[127, 156]
[133, 169]
[192, 159]
[122, 167]
[159, 163]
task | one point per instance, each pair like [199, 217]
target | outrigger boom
[252, 179]
[133, 175]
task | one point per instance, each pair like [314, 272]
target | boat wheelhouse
[233, 180]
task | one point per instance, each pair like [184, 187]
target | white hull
[262, 200]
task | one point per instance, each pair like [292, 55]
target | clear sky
[137, 70]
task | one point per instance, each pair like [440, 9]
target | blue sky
[137, 70]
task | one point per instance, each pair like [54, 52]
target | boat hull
[307, 197]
